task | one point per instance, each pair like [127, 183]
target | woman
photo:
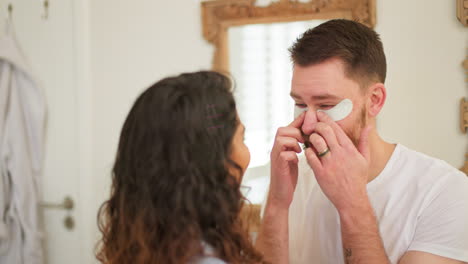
[175, 186]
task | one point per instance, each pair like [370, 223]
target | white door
[50, 47]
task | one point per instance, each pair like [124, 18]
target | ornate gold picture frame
[464, 115]
[462, 11]
[219, 15]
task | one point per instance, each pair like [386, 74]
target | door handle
[68, 205]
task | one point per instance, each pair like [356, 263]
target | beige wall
[134, 44]
[425, 46]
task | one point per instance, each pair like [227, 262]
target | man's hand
[343, 172]
[284, 161]
[273, 237]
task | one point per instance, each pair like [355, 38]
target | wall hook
[46, 9]
[10, 11]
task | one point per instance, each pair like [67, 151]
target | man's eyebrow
[316, 97]
[324, 97]
[293, 95]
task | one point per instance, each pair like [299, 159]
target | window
[261, 66]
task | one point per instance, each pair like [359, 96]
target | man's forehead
[316, 76]
[321, 81]
[317, 89]
[334, 66]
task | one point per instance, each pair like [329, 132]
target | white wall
[134, 44]
[425, 45]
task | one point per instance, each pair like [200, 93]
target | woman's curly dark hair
[172, 183]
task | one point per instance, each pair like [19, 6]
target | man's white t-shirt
[421, 204]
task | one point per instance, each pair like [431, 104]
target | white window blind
[261, 66]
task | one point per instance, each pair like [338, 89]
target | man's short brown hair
[358, 46]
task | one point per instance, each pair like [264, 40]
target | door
[50, 47]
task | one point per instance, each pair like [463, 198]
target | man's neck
[381, 152]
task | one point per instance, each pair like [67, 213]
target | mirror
[251, 43]
[262, 71]
[219, 15]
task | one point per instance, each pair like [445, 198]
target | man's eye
[326, 107]
[301, 105]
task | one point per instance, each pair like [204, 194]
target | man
[352, 197]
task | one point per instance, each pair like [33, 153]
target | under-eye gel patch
[337, 113]
[298, 111]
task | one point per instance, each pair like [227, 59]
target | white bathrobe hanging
[22, 126]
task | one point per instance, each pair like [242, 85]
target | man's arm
[273, 237]
[362, 242]
[360, 235]
[342, 174]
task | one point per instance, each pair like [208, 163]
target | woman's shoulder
[208, 256]
[207, 260]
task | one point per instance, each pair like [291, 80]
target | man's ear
[377, 95]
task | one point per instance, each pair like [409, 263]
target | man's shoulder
[421, 161]
[429, 169]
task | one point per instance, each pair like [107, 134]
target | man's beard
[354, 133]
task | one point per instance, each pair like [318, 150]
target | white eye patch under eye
[337, 113]
[298, 111]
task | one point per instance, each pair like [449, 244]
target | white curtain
[261, 66]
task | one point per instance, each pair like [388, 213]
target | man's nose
[310, 120]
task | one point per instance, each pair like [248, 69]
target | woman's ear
[377, 96]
